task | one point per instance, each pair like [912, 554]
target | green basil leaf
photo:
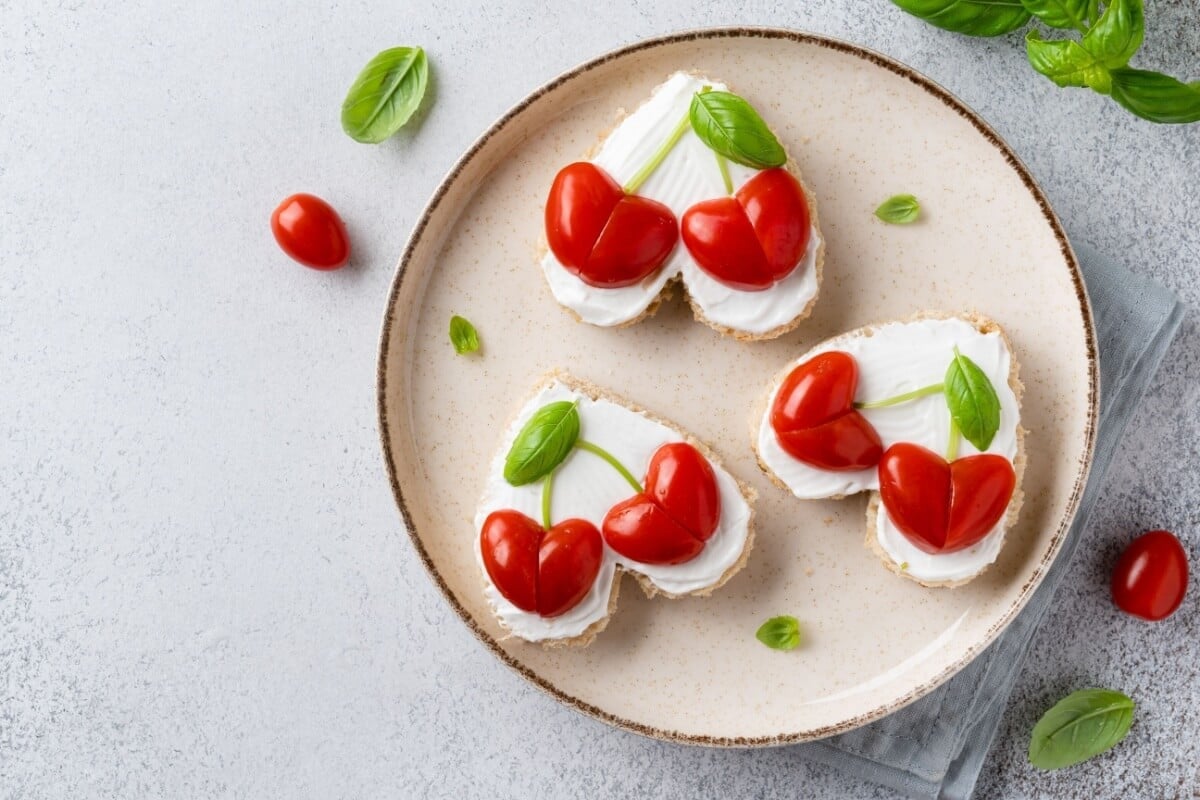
[972, 17]
[543, 443]
[972, 400]
[1065, 62]
[899, 209]
[1071, 14]
[1081, 725]
[385, 94]
[780, 633]
[730, 126]
[1118, 33]
[1156, 97]
[463, 335]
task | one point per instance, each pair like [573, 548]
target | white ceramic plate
[862, 127]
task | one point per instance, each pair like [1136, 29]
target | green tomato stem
[547, 488]
[723, 165]
[924, 391]
[642, 174]
[597, 450]
[952, 447]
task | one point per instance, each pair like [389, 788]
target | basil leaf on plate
[1118, 33]
[972, 400]
[1081, 725]
[972, 17]
[385, 94]
[899, 209]
[1065, 62]
[463, 335]
[780, 633]
[543, 443]
[731, 127]
[1156, 97]
[1070, 14]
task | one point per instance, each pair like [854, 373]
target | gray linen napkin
[935, 747]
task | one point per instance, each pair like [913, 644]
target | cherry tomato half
[311, 232]
[1151, 576]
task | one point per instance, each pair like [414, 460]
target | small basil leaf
[899, 209]
[543, 443]
[1118, 33]
[385, 94]
[972, 400]
[730, 126]
[1081, 725]
[1156, 97]
[972, 17]
[1071, 14]
[780, 633]
[1065, 62]
[463, 335]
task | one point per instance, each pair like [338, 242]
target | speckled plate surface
[861, 127]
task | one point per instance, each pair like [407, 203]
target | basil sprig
[1081, 725]
[974, 405]
[385, 94]
[899, 209]
[463, 335]
[543, 443]
[1109, 35]
[731, 127]
[973, 17]
[780, 633]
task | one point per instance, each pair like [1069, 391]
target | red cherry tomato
[548, 572]
[311, 232]
[1150, 578]
[600, 234]
[814, 417]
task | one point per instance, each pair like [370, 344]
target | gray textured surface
[203, 589]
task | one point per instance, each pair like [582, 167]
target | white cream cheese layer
[587, 487]
[686, 176]
[896, 358]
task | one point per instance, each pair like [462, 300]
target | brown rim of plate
[1084, 307]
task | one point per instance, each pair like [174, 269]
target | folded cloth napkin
[935, 747]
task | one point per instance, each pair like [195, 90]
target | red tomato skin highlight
[1150, 578]
[311, 232]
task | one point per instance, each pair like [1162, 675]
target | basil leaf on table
[1066, 62]
[1118, 33]
[1081, 725]
[543, 443]
[731, 127]
[385, 94]
[780, 633]
[1070, 14]
[899, 209]
[1156, 97]
[972, 17]
[973, 402]
[463, 335]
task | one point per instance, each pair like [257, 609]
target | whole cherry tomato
[1151, 576]
[311, 232]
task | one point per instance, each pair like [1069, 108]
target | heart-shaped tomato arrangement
[678, 512]
[547, 572]
[941, 506]
[814, 418]
[601, 234]
[755, 238]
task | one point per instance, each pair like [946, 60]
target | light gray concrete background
[204, 587]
